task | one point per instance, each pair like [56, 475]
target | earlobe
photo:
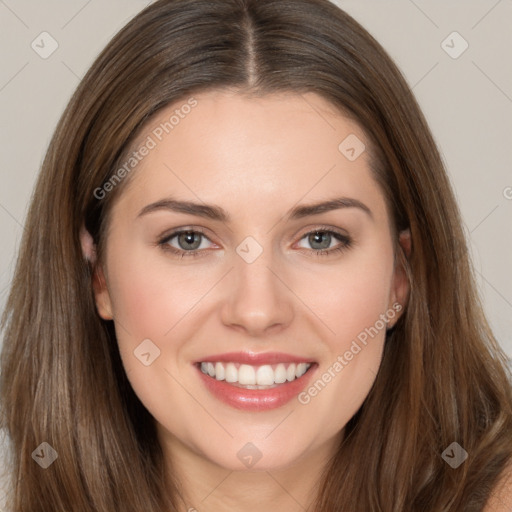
[101, 294]
[400, 286]
[99, 284]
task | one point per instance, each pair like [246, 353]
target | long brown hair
[443, 377]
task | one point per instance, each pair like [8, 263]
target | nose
[259, 302]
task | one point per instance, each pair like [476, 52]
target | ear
[400, 285]
[99, 283]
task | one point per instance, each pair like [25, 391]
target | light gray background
[467, 101]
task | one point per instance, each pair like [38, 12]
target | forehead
[270, 148]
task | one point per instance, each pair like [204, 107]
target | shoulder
[500, 499]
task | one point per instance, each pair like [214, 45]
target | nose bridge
[255, 278]
[258, 299]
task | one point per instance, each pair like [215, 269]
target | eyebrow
[217, 213]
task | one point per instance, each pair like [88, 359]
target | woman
[244, 284]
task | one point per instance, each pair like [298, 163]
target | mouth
[254, 377]
[255, 382]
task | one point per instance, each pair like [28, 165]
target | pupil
[317, 238]
[188, 239]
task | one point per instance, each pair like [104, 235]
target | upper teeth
[245, 374]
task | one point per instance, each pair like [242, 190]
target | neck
[206, 486]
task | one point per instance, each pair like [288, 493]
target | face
[249, 270]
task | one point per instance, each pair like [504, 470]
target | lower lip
[256, 399]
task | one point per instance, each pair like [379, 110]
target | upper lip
[254, 359]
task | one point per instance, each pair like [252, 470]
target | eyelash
[346, 242]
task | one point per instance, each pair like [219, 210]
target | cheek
[353, 308]
[150, 297]
[350, 296]
[149, 301]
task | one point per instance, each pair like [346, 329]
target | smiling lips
[255, 381]
[255, 377]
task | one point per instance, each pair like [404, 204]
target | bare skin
[256, 158]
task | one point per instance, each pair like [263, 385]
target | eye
[185, 242]
[321, 241]
[193, 242]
